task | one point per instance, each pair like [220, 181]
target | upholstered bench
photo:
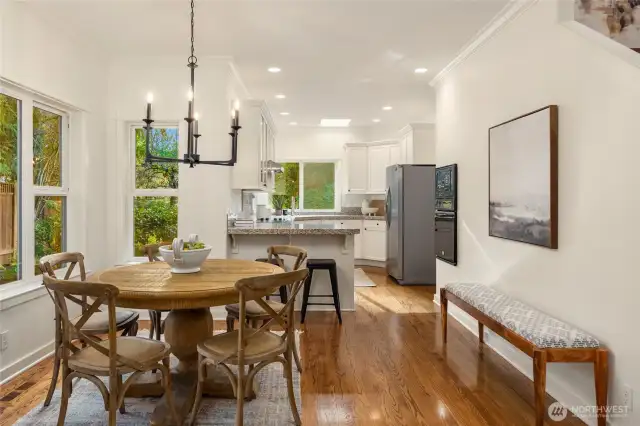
[541, 336]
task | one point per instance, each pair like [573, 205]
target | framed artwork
[615, 19]
[523, 178]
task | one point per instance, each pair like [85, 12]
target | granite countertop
[287, 228]
[337, 216]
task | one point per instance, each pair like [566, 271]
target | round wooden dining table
[189, 297]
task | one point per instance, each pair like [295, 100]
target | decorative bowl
[369, 210]
[184, 261]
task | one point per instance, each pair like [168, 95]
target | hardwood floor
[384, 366]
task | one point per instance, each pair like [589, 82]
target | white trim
[509, 12]
[19, 292]
[559, 391]
[49, 100]
[26, 362]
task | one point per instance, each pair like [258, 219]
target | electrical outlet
[627, 397]
[4, 341]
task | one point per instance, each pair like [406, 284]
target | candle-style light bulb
[190, 95]
[149, 101]
[236, 113]
[195, 124]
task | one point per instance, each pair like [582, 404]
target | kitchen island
[322, 241]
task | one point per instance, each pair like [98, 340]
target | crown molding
[509, 12]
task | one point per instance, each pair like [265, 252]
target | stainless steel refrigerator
[410, 204]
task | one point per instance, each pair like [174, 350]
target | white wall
[42, 59]
[590, 281]
[296, 143]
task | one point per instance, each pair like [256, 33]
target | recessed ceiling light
[274, 70]
[293, 123]
[376, 120]
[280, 96]
[335, 122]
[284, 113]
[421, 70]
[387, 108]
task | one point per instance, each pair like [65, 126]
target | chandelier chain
[192, 58]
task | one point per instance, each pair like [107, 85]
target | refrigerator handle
[388, 207]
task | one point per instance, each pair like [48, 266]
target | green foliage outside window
[9, 130]
[155, 219]
[319, 185]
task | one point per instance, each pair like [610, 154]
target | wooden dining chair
[253, 347]
[255, 314]
[111, 358]
[126, 321]
[152, 252]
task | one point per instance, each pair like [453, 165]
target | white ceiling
[339, 58]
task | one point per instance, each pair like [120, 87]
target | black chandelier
[192, 157]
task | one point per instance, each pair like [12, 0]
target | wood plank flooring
[384, 366]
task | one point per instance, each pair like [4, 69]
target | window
[10, 256]
[155, 194]
[313, 184]
[31, 192]
[50, 195]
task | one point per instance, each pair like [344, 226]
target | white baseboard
[558, 390]
[26, 362]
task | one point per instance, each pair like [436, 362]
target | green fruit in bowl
[193, 246]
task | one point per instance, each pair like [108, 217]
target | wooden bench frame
[541, 356]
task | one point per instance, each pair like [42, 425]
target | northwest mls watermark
[557, 412]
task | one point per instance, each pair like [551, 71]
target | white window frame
[28, 190]
[337, 203]
[135, 192]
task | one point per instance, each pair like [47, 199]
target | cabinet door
[374, 241]
[357, 238]
[378, 157]
[395, 155]
[356, 169]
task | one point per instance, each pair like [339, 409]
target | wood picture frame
[523, 178]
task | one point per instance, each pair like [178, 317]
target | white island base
[319, 246]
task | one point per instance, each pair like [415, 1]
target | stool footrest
[319, 304]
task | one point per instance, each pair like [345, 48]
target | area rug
[361, 279]
[86, 408]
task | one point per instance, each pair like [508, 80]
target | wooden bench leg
[539, 384]
[601, 374]
[443, 313]
[481, 332]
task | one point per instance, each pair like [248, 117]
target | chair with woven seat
[98, 324]
[252, 347]
[254, 312]
[157, 326]
[110, 358]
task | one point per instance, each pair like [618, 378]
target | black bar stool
[327, 265]
[283, 289]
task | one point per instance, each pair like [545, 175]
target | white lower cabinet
[374, 240]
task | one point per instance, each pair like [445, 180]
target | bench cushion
[542, 330]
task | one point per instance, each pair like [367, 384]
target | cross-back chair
[152, 251]
[255, 313]
[126, 321]
[109, 358]
[253, 347]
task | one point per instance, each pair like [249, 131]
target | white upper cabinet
[256, 146]
[357, 168]
[367, 165]
[395, 155]
[379, 159]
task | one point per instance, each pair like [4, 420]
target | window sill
[19, 292]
